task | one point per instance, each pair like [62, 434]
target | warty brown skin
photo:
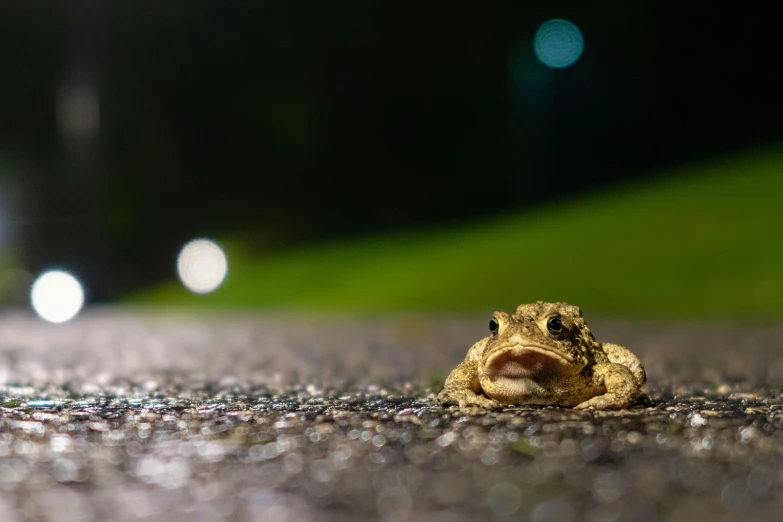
[544, 354]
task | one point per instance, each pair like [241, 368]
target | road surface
[127, 415]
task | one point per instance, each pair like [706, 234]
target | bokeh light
[78, 111]
[558, 43]
[56, 296]
[202, 266]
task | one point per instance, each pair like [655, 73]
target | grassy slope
[704, 241]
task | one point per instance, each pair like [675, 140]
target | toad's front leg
[462, 387]
[621, 387]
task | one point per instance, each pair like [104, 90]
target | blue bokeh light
[558, 43]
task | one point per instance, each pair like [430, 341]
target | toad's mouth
[522, 361]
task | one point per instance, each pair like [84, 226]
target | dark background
[299, 122]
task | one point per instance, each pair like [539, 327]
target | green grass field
[703, 240]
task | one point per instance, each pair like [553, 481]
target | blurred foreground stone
[130, 415]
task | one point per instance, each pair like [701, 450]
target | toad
[544, 354]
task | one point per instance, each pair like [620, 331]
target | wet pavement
[126, 415]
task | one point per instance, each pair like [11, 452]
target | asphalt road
[122, 415]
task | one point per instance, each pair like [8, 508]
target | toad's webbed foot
[621, 388]
[465, 398]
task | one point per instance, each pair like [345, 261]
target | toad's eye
[493, 326]
[554, 325]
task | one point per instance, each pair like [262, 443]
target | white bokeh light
[56, 296]
[78, 111]
[202, 266]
